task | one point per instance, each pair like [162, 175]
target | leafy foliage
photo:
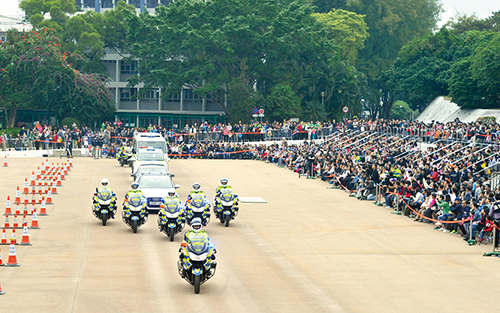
[35, 74]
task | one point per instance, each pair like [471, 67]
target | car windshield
[144, 144]
[150, 157]
[155, 182]
[152, 170]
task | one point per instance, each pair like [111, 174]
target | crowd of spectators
[446, 183]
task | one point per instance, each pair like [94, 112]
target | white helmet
[134, 185]
[196, 186]
[171, 192]
[104, 182]
[196, 224]
[224, 181]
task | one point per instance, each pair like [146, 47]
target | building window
[190, 95]
[127, 68]
[107, 4]
[127, 94]
[78, 3]
[135, 3]
[89, 3]
[151, 4]
[165, 2]
[152, 94]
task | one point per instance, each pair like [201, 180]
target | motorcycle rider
[196, 191]
[105, 189]
[172, 198]
[134, 193]
[224, 184]
[196, 233]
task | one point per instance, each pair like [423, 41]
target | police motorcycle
[134, 212]
[226, 206]
[171, 218]
[196, 257]
[104, 207]
[124, 157]
[198, 207]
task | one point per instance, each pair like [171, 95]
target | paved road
[307, 249]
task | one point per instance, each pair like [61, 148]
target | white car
[151, 169]
[154, 188]
[149, 158]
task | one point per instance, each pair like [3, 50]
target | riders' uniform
[172, 201]
[218, 192]
[188, 237]
[196, 194]
[107, 191]
[132, 194]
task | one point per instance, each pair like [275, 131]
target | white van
[149, 142]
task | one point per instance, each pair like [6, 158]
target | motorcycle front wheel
[104, 219]
[172, 234]
[226, 222]
[134, 226]
[197, 283]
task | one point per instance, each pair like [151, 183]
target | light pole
[323, 106]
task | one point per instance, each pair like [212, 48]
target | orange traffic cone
[26, 200]
[13, 237]
[61, 173]
[1, 264]
[49, 198]
[43, 209]
[46, 164]
[7, 225]
[18, 195]
[54, 188]
[26, 189]
[8, 209]
[4, 238]
[25, 241]
[38, 176]
[40, 189]
[5, 162]
[70, 163]
[25, 212]
[59, 182]
[12, 256]
[15, 224]
[1, 292]
[34, 221]
[17, 209]
[32, 183]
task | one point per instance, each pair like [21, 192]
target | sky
[482, 8]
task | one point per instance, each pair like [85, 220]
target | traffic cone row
[55, 174]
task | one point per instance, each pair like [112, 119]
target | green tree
[35, 74]
[282, 103]
[206, 45]
[347, 30]
[391, 25]
[402, 111]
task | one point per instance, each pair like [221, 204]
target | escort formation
[153, 191]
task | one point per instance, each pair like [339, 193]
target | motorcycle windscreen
[199, 246]
[104, 195]
[135, 201]
[227, 195]
[172, 206]
[198, 200]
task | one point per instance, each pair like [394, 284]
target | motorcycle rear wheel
[197, 283]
